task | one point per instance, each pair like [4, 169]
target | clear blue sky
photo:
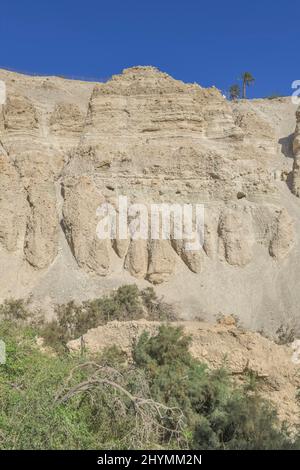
[210, 42]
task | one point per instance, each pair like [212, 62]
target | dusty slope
[219, 344]
[66, 146]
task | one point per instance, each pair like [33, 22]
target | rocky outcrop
[296, 150]
[283, 236]
[12, 204]
[81, 200]
[20, 114]
[66, 119]
[67, 146]
[146, 134]
[237, 236]
[41, 237]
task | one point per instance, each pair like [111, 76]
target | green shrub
[163, 399]
[285, 334]
[124, 304]
[156, 308]
[14, 309]
[54, 336]
[219, 414]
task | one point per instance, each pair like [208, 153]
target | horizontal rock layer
[66, 147]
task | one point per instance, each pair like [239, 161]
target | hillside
[68, 146]
[243, 353]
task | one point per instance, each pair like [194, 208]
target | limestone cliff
[68, 146]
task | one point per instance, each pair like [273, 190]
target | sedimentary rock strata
[67, 147]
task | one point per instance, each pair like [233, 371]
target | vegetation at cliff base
[125, 303]
[160, 397]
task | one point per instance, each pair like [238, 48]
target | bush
[156, 308]
[13, 309]
[164, 399]
[219, 414]
[124, 304]
[285, 334]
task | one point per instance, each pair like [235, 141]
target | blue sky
[209, 42]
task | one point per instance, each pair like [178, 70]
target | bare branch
[150, 415]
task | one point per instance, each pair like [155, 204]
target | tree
[248, 79]
[234, 92]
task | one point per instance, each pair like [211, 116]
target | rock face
[296, 150]
[66, 147]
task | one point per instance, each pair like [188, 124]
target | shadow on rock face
[287, 145]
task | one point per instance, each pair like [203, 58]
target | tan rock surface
[296, 151]
[67, 146]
